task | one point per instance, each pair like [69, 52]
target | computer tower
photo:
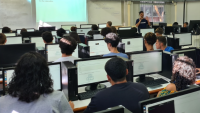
[72, 81]
[129, 63]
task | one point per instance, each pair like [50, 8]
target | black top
[126, 94]
[143, 24]
[93, 32]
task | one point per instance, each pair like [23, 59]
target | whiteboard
[16, 14]
[101, 11]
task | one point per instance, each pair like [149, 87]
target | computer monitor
[54, 33]
[11, 53]
[14, 40]
[177, 28]
[43, 29]
[68, 27]
[184, 30]
[38, 41]
[194, 24]
[126, 33]
[190, 52]
[10, 34]
[54, 70]
[29, 34]
[124, 28]
[53, 52]
[185, 101]
[162, 25]
[28, 30]
[102, 25]
[98, 36]
[82, 37]
[86, 26]
[167, 64]
[143, 63]
[133, 44]
[145, 31]
[155, 27]
[117, 109]
[185, 39]
[91, 72]
[98, 47]
[83, 30]
[168, 30]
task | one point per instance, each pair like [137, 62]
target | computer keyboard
[155, 82]
[88, 94]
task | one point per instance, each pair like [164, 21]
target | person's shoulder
[109, 54]
[55, 95]
[171, 87]
[124, 55]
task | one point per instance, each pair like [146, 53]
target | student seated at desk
[30, 89]
[121, 92]
[23, 30]
[185, 25]
[94, 30]
[75, 36]
[112, 41]
[6, 30]
[3, 39]
[47, 37]
[183, 74]
[161, 44]
[105, 31]
[60, 32]
[159, 31]
[73, 29]
[149, 41]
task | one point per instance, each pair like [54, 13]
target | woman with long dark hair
[30, 89]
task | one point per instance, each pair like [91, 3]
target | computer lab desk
[81, 105]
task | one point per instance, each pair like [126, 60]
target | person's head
[112, 40]
[47, 37]
[23, 30]
[75, 36]
[141, 13]
[67, 45]
[6, 30]
[150, 39]
[159, 31]
[183, 73]
[61, 32]
[3, 39]
[185, 24]
[109, 24]
[114, 30]
[31, 78]
[175, 23]
[105, 31]
[161, 42]
[95, 27]
[116, 70]
[73, 28]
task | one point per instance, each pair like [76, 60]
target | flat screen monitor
[155, 27]
[14, 40]
[10, 34]
[86, 26]
[190, 52]
[184, 30]
[29, 34]
[98, 36]
[11, 53]
[177, 28]
[194, 24]
[162, 24]
[90, 71]
[54, 70]
[126, 33]
[38, 41]
[133, 44]
[53, 52]
[102, 25]
[98, 47]
[124, 28]
[83, 30]
[145, 31]
[54, 33]
[43, 29]
[185, 39]
[168, 30]
[185, 101]
[68, 27]
[143, 63]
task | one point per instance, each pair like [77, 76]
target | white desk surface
[82, 103]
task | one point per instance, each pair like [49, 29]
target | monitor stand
[95, 86]
[143, 78]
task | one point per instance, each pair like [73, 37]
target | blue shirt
[143, 24]
[168, 49]
[116, 54]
